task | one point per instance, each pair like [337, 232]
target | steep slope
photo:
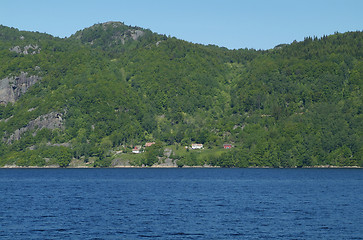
[105, 101]
[113, 86]
[304, 103]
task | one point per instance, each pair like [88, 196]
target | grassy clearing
[189, 157]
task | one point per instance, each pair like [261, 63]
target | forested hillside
[110, 87]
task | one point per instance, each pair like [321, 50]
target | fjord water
[181, 204]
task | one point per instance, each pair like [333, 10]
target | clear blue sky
[259, 24]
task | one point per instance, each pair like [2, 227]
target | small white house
[136, 149]
[197, 146]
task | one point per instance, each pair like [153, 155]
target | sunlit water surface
[181, 204]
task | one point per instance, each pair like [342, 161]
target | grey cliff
[52, 120]
[11, 88]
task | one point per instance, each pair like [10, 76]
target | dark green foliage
[42, 156]
[62, 155]
[294, 105]
[152, 153]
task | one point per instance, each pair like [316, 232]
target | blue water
[181, 204]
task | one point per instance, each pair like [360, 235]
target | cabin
[227, 146]
[197, 146]
[149, 144]
[136, 149]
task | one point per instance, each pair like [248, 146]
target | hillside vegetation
[110, 87]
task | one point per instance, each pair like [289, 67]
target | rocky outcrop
[133, 34]
[113, 33]
[28, 49]
[11, 88]
[51, 121]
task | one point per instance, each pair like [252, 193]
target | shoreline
[163, 166]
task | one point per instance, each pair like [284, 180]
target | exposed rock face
[132, 33]
[115, 32]
[51, 121]
[28, 49]
[11, 88]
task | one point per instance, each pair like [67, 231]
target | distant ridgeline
[90, 99]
